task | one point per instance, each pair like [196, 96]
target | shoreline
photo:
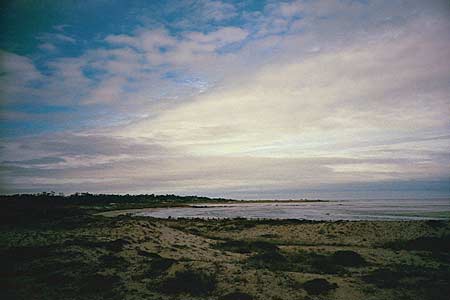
[273, 210]
[69, 252]
[142, 258]
[227, 203]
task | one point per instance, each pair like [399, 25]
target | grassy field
[69, 252]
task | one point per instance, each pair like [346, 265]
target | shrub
[98, 283]
[348, 258]
[318, 286]
[27, 252]
[301, 261]
[272, 260]
[191, 282]
[383, 278]
[317, 263]
[426, 243]
[158, 265]
[323, 265]
[112, 260]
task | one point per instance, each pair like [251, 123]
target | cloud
[69, 144]
[122, 39]
[162, 48]
[301, 96]
[245, 177]
[218, 38]
[367, 89]
[218, 10]
[47, 47]
[61, 27]
[145, 40]
[17, 73]
[109, 90]
[15, 67]
[36, 161]
[56, 37]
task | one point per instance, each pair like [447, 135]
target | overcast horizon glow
[236, 99]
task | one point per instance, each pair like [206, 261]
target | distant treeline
[50, 207]
[104, 199]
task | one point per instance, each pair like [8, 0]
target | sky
[252, 99]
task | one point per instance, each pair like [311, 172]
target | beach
[90, 256]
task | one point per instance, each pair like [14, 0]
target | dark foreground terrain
[55, 248]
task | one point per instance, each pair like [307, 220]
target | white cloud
[56, 37]
[218, 10]
[61, 27]
[64, 38]
[109, 90]
[121, 39]
[218, 38]
[17, 72]
[162, 48]
[365, 89]
[311, 93]
[47, 47]
[18, 67]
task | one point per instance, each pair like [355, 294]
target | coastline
[302, 210]
[74, 252]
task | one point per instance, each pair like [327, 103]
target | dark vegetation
[428, 283]
[426, 243]
[347, 258]
[319, 286]
[158, 265]
[22, 209]
[195, 283]
[81, 199]
[54, 247]
[305, 261]
[236, 296]
[114, 245]
[48, 272]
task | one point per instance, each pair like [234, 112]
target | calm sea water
[333, 210]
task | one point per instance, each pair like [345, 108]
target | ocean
[387, 209]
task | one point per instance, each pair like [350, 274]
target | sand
[124, 257]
